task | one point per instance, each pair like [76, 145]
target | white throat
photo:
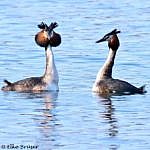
[107, 65]
[106, 70]
[51, 75]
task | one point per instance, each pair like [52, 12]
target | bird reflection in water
[108, 115]
[49, 104]
[44, 117]
[46, 121]
[109, 118]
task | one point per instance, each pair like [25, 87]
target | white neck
[106, 70]
[50, 76]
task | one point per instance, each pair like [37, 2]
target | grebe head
[47, 36]
[111, 37]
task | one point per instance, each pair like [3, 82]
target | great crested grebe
[49, 81]
[104, 83]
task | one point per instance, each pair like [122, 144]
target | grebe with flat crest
[49, 81]
[104, 83]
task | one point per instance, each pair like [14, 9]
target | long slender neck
[106, 71]
[50, 70]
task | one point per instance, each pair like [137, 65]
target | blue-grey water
[75, 118]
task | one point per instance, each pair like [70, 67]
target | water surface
[75, 118]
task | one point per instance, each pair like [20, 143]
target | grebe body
[116, 87]
[104, 83]
[50, 79]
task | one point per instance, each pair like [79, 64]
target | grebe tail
[104, 82]
[49, 81]
[7, 82]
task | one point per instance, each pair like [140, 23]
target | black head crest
[108, 36]
[115, 31]
[53, 25]
[43, 25]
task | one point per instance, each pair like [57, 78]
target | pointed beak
[49, 33]
[101, 40]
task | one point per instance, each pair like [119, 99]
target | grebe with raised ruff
[49, 81]
[104, 83]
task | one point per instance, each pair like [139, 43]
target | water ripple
[74, 118]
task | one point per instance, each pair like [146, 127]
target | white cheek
[109, 38]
